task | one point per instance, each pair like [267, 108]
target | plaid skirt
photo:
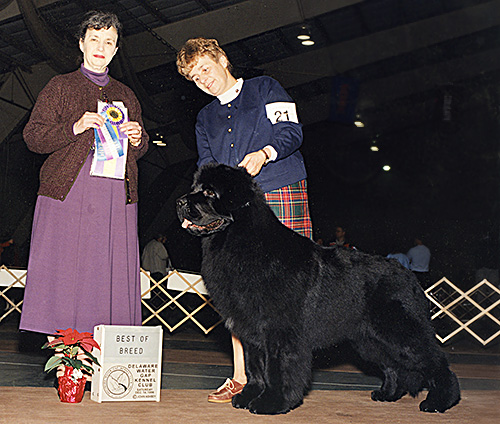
[290, 205]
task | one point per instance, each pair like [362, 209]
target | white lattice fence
[10, 279]
[476, 311]
[181, 297]
[178, 298]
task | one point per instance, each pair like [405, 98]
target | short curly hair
[97, 19]
[193, 49]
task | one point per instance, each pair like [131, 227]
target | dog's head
[218, 191]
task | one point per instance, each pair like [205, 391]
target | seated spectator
[155, 258]
[340, 239]
[401, 258]
[419, 257]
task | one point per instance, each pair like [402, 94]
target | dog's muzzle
[196, 223]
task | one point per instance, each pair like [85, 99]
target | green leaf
[54, 344]
[69, 362]
[53, 362]
[92, 358]
[76, 363]
[87, 368]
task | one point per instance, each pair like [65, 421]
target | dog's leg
[388, 388]
[444, 391]
[288, 371]
[396, 374]
[393, 386]
[254, 369]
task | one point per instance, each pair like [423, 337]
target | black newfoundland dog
[283, 296]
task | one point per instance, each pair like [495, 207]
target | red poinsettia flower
[74, 350]
[70, 337]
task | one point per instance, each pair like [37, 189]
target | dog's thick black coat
[283, 296]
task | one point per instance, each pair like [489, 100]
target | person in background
[340, 239]
[83, 267]
[3, 245]
[401, 258]
[420, 257]
[252, 124]
[155, 257]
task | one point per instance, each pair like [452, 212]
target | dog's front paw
[249, 393]
[272, 402]
[241, 402]
[268, 406]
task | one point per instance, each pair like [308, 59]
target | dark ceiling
[395, 50]
[417, 71]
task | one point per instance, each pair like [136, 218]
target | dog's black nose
[181, 201]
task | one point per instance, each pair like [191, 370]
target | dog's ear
[234, 187]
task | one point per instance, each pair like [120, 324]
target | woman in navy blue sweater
[253, 124]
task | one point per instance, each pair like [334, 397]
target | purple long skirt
[84, 259]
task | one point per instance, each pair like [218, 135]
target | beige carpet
[19, 405]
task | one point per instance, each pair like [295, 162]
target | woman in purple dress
[84, 261]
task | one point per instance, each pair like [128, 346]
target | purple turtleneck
[100, 79]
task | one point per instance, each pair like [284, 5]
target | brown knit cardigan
[50, 130]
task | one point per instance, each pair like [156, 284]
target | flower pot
[71, 390]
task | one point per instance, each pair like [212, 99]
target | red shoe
[226, 392]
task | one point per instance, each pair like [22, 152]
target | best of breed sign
[130, 359]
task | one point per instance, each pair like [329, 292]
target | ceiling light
[359, 124]
[386, 168]
[374, 148]
[160, 143]
[159, 138]
[305, 36]
[304, 33]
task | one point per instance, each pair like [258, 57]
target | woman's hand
[133, 131]
[93, 120]
[88, 120]
[253, 162]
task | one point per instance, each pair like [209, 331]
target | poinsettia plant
[69, 345]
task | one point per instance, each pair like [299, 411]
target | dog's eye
[209, 193]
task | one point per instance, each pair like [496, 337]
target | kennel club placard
[130, 359]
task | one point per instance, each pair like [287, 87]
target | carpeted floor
[41, 405]
[195, 364]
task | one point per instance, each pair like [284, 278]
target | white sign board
[130, 359]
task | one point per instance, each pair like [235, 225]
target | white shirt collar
[232, 93]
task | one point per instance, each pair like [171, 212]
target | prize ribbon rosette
[110, 155]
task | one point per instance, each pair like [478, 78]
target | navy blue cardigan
[226, 133]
